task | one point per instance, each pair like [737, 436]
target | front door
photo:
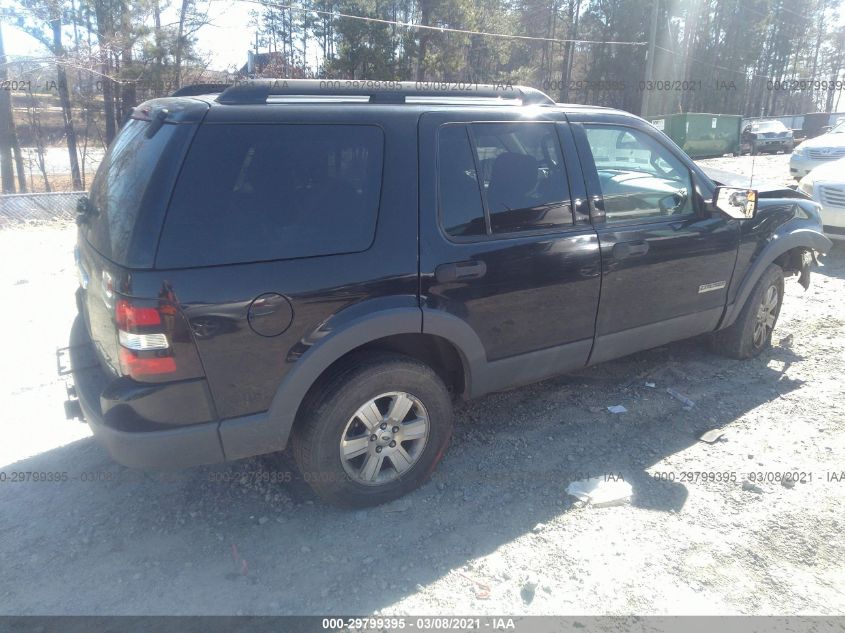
[666, 261]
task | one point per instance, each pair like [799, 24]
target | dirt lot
[494, 532]
[772, 168]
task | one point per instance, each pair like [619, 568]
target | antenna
[753, 163]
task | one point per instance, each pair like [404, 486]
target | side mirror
[738, 204]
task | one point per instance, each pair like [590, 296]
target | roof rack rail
[258, 91]
[192, 90]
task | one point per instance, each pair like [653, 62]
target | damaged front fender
[794, 235]
[808, 258]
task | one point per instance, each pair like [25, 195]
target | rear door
[502, 247]
[666, 261]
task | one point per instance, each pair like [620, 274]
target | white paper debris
[712, 436]
[601, 492]
[650, 384]
[617, 408]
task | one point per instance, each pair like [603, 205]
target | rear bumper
[119, 412]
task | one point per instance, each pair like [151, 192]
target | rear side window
[523, 176]
[516, 167]
[461, 211]
[263, 192]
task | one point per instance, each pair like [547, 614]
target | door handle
[622, 250]
[460, 271]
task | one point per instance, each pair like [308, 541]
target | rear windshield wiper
[158, 120]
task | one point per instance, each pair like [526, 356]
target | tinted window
[523, 176]
[461, 212]
[121, 189]
[263, 192]
[520, 170]
[640, 178]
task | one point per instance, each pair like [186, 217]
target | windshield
[769, 126]
[839, 129]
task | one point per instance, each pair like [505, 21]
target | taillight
[136, 366]
[144, 348]
[129, 317]
[142, 342]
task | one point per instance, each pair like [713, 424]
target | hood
[834, 171]
[825, 140]
[766, 188]
[771, 133]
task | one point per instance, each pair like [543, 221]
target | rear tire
[373, 430]
[751, 333]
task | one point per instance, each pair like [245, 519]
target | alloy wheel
[766, 315]
[384, 438]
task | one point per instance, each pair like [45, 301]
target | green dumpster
[702, 135]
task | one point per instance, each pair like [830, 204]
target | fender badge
[716, 285]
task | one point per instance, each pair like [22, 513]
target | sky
[225, 40]
[227, 37]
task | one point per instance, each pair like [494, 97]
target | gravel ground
[772, 168]
[494, 532]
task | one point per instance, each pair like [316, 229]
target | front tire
[751, 333]
[373, 430]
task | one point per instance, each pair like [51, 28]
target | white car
[826, 185]
[817, 151]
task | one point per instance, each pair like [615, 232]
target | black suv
[328, 264]
[766, 136]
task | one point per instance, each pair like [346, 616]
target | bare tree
[34, 119]
[180, 40]
[9, 145]
[46, 19]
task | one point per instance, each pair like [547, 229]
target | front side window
[509, 176]
[254, 192]
[640, 179]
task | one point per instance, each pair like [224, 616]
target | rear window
[256, 192]
[129, 194]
